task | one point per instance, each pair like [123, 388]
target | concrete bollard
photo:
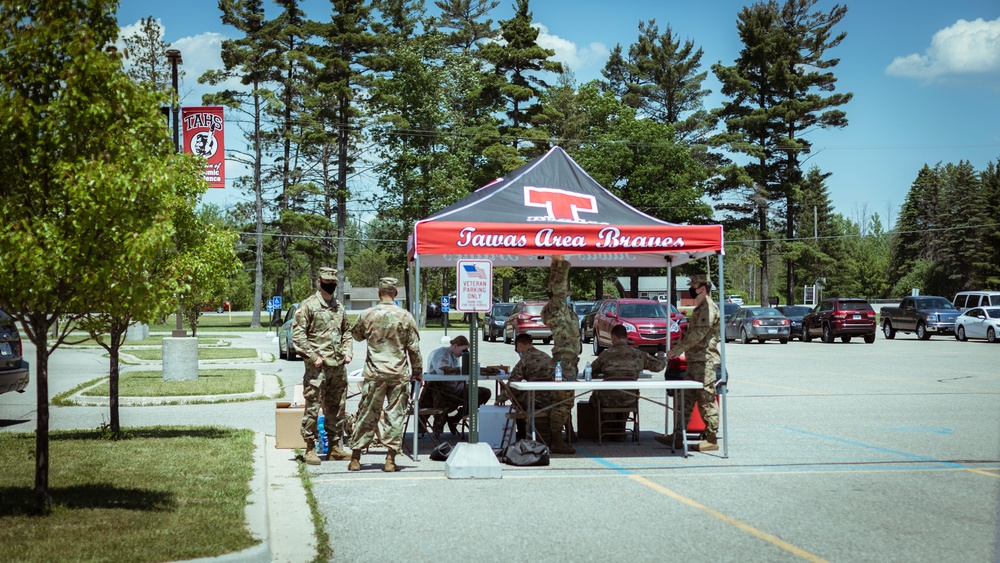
[180, 358]
[137, 332]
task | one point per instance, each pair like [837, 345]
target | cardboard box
[288, 422]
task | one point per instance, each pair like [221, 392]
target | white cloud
[965, 48]
[583, 61]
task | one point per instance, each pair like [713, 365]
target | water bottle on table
[559, 371]
[588, 373]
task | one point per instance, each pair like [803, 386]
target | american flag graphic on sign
[471, 271]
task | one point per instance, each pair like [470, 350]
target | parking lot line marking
[876, 448]
[772, 386]
[774, 540]
[986, 472]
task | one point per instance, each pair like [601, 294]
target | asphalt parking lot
[841, 452]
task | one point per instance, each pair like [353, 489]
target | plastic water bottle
[588, 373]
[558, 371]
[323, 444]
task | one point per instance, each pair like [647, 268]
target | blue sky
[925, 76]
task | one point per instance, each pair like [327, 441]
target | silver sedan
[758, 323]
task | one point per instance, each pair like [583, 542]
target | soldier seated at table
[451, 396]
[621, 363]
[536, 365]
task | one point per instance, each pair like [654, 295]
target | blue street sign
[444, 304]
[270, 307]
[276, 301]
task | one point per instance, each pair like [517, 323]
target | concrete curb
[290, 525]
[266, 386]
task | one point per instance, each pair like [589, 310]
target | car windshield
[730, 307]
[533, 309]
[766, 312]
[642, 311]
[796, 311]
[934, 303]
[855, 306]
[502, 310]
[582, 308]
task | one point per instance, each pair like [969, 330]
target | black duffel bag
[525, 453]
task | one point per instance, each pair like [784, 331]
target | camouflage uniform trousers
[324, 387]
[563, 322]
[373, 394]
[705, 398]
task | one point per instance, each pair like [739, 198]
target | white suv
[968, 299]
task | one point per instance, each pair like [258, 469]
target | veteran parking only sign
[475, 286]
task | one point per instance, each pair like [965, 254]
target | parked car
[433, 310]
[645, 320]
[728, 309]
[967, 299]
[925, 315]
[794, 314]
[526, 318]
[14, 373]
[583, 308]
[738, 299]
[980, 322]
[843, 317]
[587, 324]
[758, 323]
[286, 349]
[494, 319]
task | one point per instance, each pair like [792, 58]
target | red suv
[526, 318]
[840, 317]
[645, 320]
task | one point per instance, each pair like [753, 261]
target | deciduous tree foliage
[88, 176]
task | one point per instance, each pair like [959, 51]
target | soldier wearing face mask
[322, 337]
[701, 347]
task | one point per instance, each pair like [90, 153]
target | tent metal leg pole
[722, 355]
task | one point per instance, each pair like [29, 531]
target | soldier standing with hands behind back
[393, 361]
[321, 335]
[701, 346]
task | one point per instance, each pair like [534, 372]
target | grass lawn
[215, 323]
[153, 340]
[161, 494]
[151, 384]
[203, 353]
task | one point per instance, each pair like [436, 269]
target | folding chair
[631, 415]
[518, 412]
[422, 417]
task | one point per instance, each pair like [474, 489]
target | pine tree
[777, 87]
[146, 55]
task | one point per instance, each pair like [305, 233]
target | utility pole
[174, 55]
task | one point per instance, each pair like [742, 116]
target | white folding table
[581, 387]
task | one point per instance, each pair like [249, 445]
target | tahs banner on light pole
[204, 135]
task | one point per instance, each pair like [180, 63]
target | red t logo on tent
[560, 204]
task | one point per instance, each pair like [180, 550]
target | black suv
[840, 317]
[493, 322]
[13, 369]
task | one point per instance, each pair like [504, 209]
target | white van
[968, 299]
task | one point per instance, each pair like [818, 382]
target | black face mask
[693, 292]
[330, 288]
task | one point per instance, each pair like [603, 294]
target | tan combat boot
[311, 457]
[355, 464]
[558, 446]
[709, 444]
[390, 461]
[335, 453]
[673, 440]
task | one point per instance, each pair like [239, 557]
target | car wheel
[888, 331]
[281, 352]
[743, 336]
[783, 340]
[991, 335]
[546, 341]
[845, 339]
[291, 356]
[870, 338]
[506, 339]
[805, 336]
[960, 334]
[827, 334]
[485, 339]
[922, 333]
[597, 347]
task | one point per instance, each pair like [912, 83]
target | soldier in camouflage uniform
[534, 365]
[701, 347]
[321, 336]
[621, 363]
[393, 361]
[565, 326]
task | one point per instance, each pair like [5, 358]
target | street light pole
[174, 55]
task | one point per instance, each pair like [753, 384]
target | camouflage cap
[328, 274]
[699, 279]
[387, 282]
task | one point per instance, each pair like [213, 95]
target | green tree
[146, 55]
[990, 179]
[466, 20]
[816, 248]
[519, 64]
[779, 89]
[251, 58]
[88, 176]
[208, 268]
